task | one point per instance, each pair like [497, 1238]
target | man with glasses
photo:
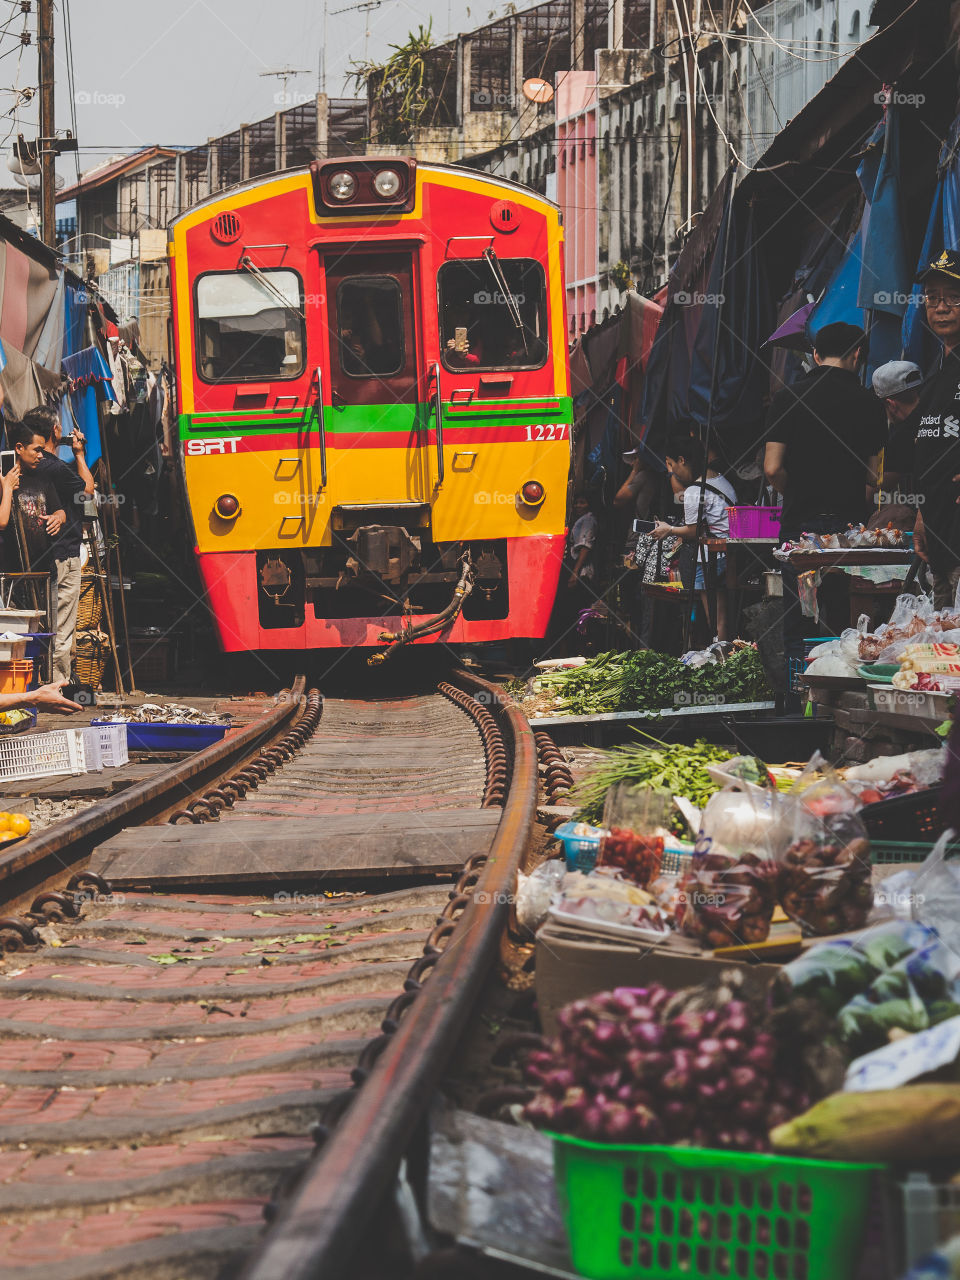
[937, 450]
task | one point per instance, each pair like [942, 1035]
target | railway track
[228, 992]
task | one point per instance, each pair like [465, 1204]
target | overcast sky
[181, 71]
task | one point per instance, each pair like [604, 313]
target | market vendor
[823, 439]
[897, 385]
[47, 698]
[937, 451]
[702, 483]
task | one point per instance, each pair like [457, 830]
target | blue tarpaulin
[87, 370]
[943, 232]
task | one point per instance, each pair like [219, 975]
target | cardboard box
[569, 968]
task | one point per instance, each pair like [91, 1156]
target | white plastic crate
[92, 756]
[41, 755]
[20, 620]
[13, 650]
[112, 741]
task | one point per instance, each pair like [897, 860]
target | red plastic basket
[754, 522]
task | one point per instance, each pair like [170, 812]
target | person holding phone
[72, 488]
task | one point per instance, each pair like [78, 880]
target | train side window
[370, 326]
[479, 325]
[249, 325]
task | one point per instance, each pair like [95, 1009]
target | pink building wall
[578, 188]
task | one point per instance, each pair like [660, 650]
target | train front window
[483, 325]
[249, 325]
[370, 326]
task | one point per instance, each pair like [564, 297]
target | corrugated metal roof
[115, 169]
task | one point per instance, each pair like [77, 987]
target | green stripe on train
[356, 419]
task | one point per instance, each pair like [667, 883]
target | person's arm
[78, 444]
[48, 697]
[580, 561]
[686, 532]
[8, 485]
[627, 492]
[55, 522]
[774, 457]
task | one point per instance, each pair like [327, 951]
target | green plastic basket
[681, 1213]
[886, 851]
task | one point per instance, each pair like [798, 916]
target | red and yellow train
[374, 405]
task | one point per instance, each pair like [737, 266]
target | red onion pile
[625, 1067]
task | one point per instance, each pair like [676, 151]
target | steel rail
[58, 848]
[318, 1229]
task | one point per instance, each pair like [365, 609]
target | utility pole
[48, 144]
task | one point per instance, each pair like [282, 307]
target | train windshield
[484, 325]
[250, 325]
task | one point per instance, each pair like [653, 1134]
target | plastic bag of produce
[919, 991]
[730, 890]
[832, 973]
[636, 819]
[535, 891]
[825, 865]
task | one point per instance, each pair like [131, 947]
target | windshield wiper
[268, 284]
[509, 300]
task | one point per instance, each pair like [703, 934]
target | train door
[374, 421]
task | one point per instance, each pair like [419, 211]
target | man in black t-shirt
[824, 436]
[41, 519]
[72, 488]
[937, 450]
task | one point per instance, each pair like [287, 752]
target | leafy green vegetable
[643, 680]
[676, 769]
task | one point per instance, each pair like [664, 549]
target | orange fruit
[8, 835]
[5, 820]
[19, 824]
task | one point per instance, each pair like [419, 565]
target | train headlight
[342, 186]
[387, 183]
[227, 506]
[532, 493]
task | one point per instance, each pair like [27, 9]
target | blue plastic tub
[37, 642]
[171, 737]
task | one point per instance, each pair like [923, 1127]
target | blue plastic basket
[37, 643]
[171, 737]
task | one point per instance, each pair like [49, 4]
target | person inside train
[370, 336]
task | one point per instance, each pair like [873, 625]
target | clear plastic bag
[917, 992]
[825, 872]
[728, 895]
[535, 892]
[636, 819]
[832, 973]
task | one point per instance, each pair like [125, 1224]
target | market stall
[749, 996]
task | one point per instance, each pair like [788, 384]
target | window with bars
[595, 29]
[636, 24]
[230, 168]
[490, 68]
[195, 176]
[300, 134]
[546, 39]
[440, 85]
[163, 190]
[347, 127]
[261, 139]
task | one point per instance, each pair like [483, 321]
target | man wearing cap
[897, 384]
[824, 436]
[937, 451]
